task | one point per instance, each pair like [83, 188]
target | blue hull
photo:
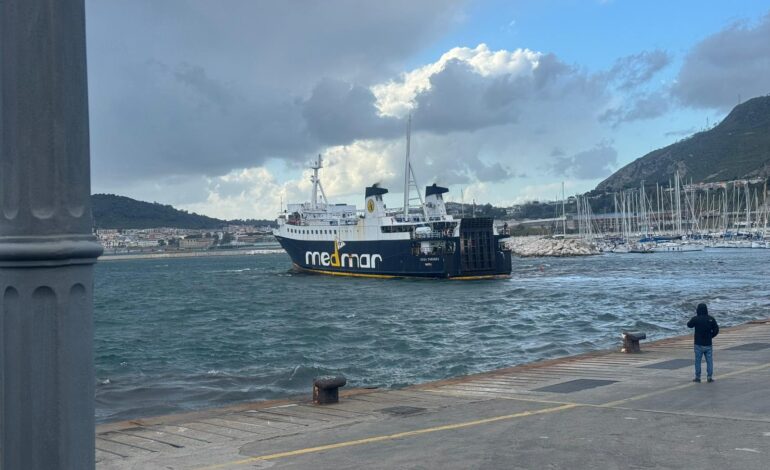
[398, 258]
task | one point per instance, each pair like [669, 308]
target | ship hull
[395, 258]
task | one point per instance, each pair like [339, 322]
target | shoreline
[192, 254]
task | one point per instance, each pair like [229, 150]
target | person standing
[706, 328]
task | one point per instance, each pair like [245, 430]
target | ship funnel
[375, 207]
[434, 201]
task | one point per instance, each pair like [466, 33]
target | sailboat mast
[748, 207]
[563, 212]
[678, 207]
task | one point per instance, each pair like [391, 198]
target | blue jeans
[704, 351]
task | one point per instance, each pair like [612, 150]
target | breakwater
[540, 246]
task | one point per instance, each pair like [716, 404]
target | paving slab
[598, 410]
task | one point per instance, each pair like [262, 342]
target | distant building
[195, 243]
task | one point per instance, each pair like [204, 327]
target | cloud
[643, 106]
[471, 89]
[247, 193]
[633, 71]
[727, 66]
[338, 112]
[226, 104]
[165, 120]
[193, 88]
[630, 76]
[396, 97]
[597, 162]
[459, 99]
[255, 192]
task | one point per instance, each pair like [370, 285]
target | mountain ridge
[736, 148]
[111, 211]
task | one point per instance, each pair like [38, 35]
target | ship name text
[347, 260]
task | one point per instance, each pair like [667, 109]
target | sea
[173, 335]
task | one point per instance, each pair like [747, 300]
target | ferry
[414, 241]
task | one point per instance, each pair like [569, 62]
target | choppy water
[178, 334]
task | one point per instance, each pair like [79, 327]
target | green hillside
[120, 212]
[737, 148]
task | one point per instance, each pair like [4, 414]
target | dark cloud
[338, 112]
[210, 90]
[727, 66]
[462, 99]
[645, 106]
[163, 120]
[597, 162]
[193, 87]
[632, 71]
[489, 172]
[549, 70]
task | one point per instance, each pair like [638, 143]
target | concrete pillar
[47, 251]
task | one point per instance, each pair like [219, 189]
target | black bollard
[631, 341]
[326, 389]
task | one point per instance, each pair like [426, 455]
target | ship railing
[428, 235]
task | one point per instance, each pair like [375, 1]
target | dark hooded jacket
[705, 325]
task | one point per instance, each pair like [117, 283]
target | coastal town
[169, 239]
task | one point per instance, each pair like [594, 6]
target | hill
[737, 148]
[120, 212]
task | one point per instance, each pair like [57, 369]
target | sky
[218, 107]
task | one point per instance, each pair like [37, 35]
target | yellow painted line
[388, 437]
[448, 427]
[679, 387]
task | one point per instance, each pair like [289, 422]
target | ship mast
[407, 167]
[315, 166]
[409, 178]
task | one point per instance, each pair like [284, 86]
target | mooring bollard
[326, 389]
[631, 341]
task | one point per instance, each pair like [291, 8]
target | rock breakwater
[537, 246]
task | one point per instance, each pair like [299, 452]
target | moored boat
[665, 247]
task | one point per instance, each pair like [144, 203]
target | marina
[676, 218]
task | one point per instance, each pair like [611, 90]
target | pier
[597, 410]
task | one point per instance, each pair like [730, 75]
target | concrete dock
[597, 410]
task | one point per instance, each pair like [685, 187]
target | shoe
[696, 380]
[709, 380]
